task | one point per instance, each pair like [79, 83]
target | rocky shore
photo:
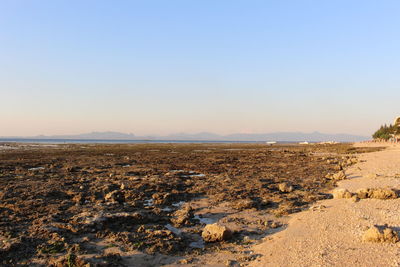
[156, 204]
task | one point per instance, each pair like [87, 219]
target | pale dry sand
[331, 235]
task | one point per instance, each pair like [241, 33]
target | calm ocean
[105, 141]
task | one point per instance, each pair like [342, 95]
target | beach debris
[341, 193]
[216, 233]
[285, 188]
[380, 235]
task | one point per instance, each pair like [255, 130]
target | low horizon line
[180, 133]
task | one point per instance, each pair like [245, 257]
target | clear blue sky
[158, 67]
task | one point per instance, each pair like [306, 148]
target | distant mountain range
[205, 136]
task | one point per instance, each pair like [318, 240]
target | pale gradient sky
[159, 67]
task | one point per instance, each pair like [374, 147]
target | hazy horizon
[164, 67]
[176, 133]
[197, 137]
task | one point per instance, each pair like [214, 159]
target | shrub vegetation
[385, 132]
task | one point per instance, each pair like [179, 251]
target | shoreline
[156, 199]
[332, 234]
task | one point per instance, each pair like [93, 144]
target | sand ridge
[331, 235]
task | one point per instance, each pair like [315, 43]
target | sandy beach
[332, 234]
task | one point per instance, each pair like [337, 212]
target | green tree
[385, 132]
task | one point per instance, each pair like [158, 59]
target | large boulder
[216, 232]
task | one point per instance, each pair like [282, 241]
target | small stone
[243, 204]
[389, 235]
[318, 208]
[79, 199]
[274, 225]
[363, 193]
[285, 188]
[216, 233]
[183, 261]
[115, 196]
[355, 198]
[341, 193]
[372, 235]
[231, 263]
[246, 239]
[183, 216]
[339, 176]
